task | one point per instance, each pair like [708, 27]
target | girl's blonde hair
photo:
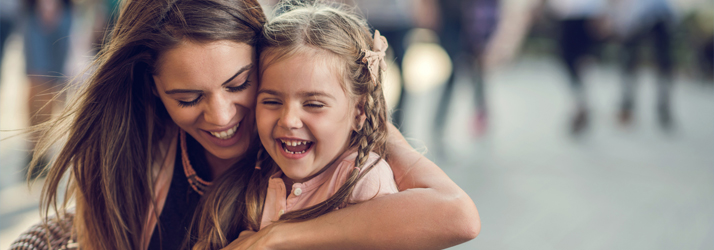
[346, 36]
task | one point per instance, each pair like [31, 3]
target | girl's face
[209, 91]
[304, 117]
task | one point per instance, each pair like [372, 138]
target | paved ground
[535, 186]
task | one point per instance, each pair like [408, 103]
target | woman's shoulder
[57, 231]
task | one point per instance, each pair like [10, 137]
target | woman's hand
[250, 240]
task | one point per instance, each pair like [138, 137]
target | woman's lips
[225, 134]
[225, 138]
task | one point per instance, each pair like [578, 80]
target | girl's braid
[373, 132]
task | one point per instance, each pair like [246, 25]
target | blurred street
[536, 186]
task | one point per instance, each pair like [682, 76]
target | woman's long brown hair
[110, 133]
[338, 34]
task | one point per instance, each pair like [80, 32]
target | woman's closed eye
[241, 87]
[191, 103]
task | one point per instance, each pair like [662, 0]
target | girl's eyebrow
[240, 71]
[305, 94]
[269, 92]
[316, 93]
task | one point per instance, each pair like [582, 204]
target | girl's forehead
[303, 72]
[271, 56]
[304, 57]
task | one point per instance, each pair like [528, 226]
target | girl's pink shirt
[377, 182]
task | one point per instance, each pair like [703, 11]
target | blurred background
[572, 124]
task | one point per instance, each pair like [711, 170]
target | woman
[170, 109]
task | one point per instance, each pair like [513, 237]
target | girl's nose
[290, 118]
[220, 111]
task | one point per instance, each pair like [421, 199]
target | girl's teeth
[293, 143]
[301, 152]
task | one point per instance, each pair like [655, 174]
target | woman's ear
[360, 115]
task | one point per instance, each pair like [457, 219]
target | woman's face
[209, 91]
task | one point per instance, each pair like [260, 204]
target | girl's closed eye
[314, 104]
[270, 102]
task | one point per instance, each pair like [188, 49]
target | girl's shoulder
[376, 181]
[347, 160]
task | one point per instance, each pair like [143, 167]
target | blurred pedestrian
[47, 29]
[466, 27]
[9, 10]
[577, 36]
[106, 14]
[636, 22]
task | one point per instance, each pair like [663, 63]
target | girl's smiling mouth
[293, 148]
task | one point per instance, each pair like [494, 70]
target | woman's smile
[225, 134]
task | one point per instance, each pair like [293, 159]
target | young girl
[321, 116]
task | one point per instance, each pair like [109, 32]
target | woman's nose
[220, 111]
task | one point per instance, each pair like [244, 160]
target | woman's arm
[431, 212]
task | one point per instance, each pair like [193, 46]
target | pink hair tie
[375, 58]
[259, 160]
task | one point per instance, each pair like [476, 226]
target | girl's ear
[360, 115]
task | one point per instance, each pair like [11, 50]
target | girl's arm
[431, 212]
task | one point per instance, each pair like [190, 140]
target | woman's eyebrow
[182, 91]
[191, 91]
[240, 71]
